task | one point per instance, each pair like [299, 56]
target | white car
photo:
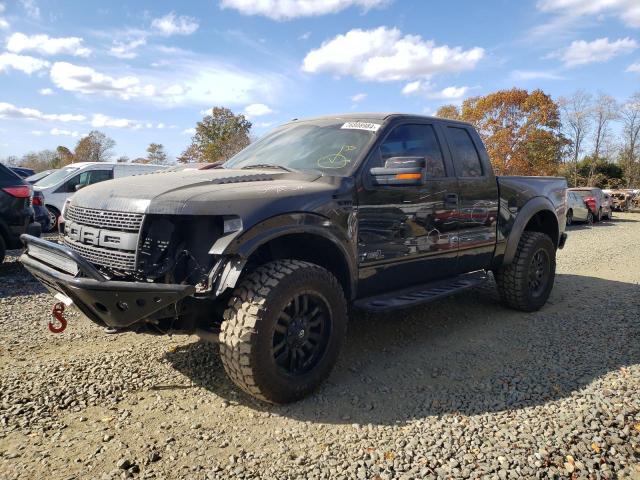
[63, 183]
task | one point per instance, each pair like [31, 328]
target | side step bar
[419, 294]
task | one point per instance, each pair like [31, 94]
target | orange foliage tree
[520, 129]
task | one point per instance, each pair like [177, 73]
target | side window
[464, 152]
[99, 176]
[414, 141]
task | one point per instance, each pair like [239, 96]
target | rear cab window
[465, 154]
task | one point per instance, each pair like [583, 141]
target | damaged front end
[151, 274]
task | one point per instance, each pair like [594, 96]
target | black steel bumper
[116, 304]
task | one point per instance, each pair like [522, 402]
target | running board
[425, 293]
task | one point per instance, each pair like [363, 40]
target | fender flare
[526, 213]
[244, 243]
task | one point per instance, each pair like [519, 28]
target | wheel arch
[307, 237]
[537, 215]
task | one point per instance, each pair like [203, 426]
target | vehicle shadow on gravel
[466, 354]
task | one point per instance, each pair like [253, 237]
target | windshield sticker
[336, 160]
[371, 127]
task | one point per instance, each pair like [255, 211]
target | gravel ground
[463, 388]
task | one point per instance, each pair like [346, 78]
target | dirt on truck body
[378, 211]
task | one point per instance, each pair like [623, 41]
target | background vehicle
[621, 200]
[16, 213]
[380, 211]
[607, 206]
[39, 176]
[22, 172]
[41, 214]
[63, 183]
[577, 209]
[593, 196]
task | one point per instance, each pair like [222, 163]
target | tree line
[592, 141]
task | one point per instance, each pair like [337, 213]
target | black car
[16, 211]
[22, 172]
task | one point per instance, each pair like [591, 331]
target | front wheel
[526, 283]
[283, 330]
[54, 217]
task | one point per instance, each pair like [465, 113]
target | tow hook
[58, 314]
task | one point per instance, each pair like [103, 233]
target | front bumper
[107, 302]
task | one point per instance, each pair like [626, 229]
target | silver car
[577, 209]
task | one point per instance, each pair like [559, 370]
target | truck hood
[208, 192]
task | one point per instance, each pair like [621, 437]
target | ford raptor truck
[268, 252]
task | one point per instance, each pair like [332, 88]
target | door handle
[451, 198]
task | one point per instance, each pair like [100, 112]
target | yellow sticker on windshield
[336, 160]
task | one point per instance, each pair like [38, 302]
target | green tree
[95, 147]
[218, 137]
[156, 154]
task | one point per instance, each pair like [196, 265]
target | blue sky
[145, 71]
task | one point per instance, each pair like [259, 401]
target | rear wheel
[599, 216]
[526, 283]
[590, 218]
[283, 330]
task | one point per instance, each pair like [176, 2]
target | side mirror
[401, 171]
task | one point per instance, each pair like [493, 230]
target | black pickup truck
[267, 252]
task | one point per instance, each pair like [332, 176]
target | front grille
[102, 256]
[129, 222]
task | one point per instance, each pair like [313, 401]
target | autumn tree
[156, 154]
[452, 112]
[218, 137]
[94, 147]
[520, 129]
[65, 155]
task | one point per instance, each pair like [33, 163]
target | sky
[147, 70]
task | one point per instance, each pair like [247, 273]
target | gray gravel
[459, 389]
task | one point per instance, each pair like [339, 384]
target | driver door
[407, 234]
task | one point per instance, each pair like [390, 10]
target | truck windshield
[55, 177]
[328, 147]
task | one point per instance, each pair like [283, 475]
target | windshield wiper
[268, 165]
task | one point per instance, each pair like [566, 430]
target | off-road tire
[247, 330]
[513, 280]
[3, 249]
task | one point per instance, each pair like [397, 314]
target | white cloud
[628, 11]
[101, 121]
[426, 89]
[189, 131]
[581, 52]
[46, 45]
[8, 110]
[24, 63]
[172, 24]
[67, 133]
[74, 78]
[305, 36]
[126, 49]
[2, 7]
[37, 133]
[534, 75]
[31, 8]
[4, 24]
[358, 97]
[384, 54]
[634, 68]
[45, 91]
[288, 9]
[257, 110]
